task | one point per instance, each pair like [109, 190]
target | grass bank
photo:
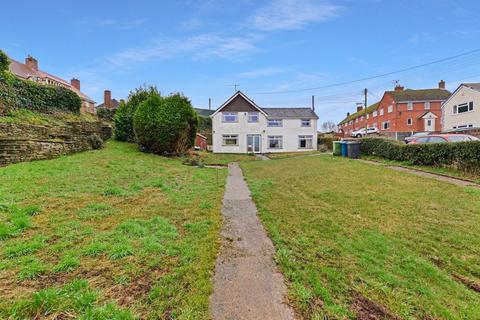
[108, 234]
[354, 239]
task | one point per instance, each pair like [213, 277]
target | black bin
[353, 149]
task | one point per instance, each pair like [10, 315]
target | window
[410, 106]
[275, 142]
[274, 122]
[462, 108]
[458, 138]
[375, 113]
[464, 126]
[436, 140]
[253, 117]
[368, 116]
[362, 118]
[409, 121]
[306, 123]
[305, 142]
[386, 125]
[381, 112]
[429, 122]
[390, 109]
[374, 125]
[356, 120]
[422, 140]
[230, 140]
[230, 116]
[427, 105]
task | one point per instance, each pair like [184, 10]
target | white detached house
[241, 126]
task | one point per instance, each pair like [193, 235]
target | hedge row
[464, 156]
[17, 93]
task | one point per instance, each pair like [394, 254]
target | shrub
[17, 93]
[464, 156]
[166, 125]
[327, 140]
[4, 61]
[106, 114]
[123, 118]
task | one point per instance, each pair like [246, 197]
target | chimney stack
[107, 99]
[75, 83]
[348, 114]
[399, 88]
[441, 85]
[359, 107]
[31, 62]
[313, 103]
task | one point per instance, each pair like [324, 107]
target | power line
[374, 76]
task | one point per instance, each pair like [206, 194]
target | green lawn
[352, 236]
[211, 158]
[284, 155]
[108, 234]
[451, 172]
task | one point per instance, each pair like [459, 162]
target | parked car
[361, 132]
[439, 138]
[415, 136]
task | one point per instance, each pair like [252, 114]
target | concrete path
[247, 284]
[452, 180]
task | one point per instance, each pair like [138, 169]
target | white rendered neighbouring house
[462, 109]
[241, 126]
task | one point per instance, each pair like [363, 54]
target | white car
[361, 132]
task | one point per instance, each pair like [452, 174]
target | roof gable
[428, 115]
[239, 102]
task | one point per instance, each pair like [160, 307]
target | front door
[253, 143]
[430, 124]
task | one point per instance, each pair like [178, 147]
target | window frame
[253, 114]
[374, 113]
[390, 109]
[382, 112]
[384, 123]
[226, 114]
[409, 106]
[280, 121]
[409, 121]
[225, 137]
[275, 137]
[427, 105]
[306, 138]
[302, 123]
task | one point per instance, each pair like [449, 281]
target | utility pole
[209, 103]
[313, 102]
[365, 107]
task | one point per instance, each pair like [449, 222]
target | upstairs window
[306, 123]
[390, 109]
[410, 106]
[274, 122]
[382, 112]
[230, 116]
[305, 142]
[375, 113]
[427, 105]
[253, 117]
[462, 108]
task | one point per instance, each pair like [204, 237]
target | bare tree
[328, 126]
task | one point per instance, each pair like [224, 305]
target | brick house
[401, 112]
[30, 71]
[108, 102]
[200, 142]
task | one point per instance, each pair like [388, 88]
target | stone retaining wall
[22, 142]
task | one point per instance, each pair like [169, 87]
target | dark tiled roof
[114, 104]
[360, 113]
[299, 113]
[474, 86]
[420, 95]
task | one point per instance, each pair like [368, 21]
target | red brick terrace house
[401, 112]
[30, 71]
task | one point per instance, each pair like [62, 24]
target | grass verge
[354, 239]
[108, 234]
[285, 155]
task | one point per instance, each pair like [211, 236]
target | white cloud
[263, 72]
[292, 14]
[196, 47]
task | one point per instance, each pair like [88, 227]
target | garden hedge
[18, 93]
[464, 156]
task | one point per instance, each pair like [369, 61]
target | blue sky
[200, 48]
